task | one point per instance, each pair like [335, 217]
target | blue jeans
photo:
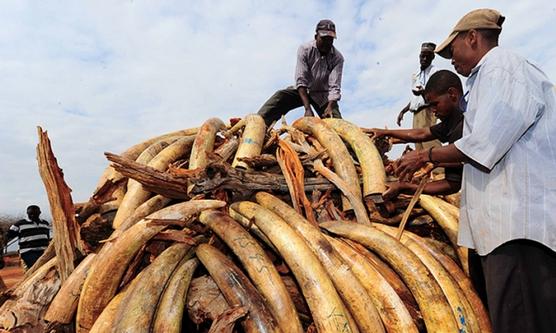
[29, 258]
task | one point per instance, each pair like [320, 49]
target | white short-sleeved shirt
[510, 133]
[420, 78]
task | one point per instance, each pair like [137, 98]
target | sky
[104, 75]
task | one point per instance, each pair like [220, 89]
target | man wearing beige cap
[318, 79]
[508, 200]
[422, 116]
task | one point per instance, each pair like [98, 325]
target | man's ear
[454, 94]
[473, 38]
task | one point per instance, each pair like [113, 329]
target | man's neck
[480, 58]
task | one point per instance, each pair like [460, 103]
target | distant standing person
[318, 79]
[422, 116]
[33, 234]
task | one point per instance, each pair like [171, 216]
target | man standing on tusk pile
[509, 180]
[318, 79]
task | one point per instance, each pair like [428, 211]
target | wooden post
[66, 230]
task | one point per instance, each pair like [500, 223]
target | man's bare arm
[305, 100]
[401, 114]
[406, 135]
[437, 187]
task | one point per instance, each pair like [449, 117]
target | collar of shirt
[473, 75]
[422, 75]
[426, 70]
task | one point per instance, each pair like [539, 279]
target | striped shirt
[510, 130]
[32, 236]
[322, 75]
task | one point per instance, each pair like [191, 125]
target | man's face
[443, 104]
[33, 213]
[463, 58]
[425, 58]
[324, 43]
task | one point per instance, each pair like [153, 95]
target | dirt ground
[13, 271]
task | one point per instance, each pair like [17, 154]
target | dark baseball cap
[326, 28]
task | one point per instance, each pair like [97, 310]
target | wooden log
[96, 229]
[29, 301]
[261, 161]
[204, 300]
[226, 321]
[294, 175]
[66, 230]
[217, 175]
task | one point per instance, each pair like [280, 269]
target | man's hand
[410, 162]
[328, 112]
[378, 132]
[400, 117]
[393, 191]
[402, 112]
[418, 91]
[308, 112]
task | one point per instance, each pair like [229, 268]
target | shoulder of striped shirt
[16, 225]
[31, 225]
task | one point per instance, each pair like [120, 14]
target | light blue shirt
[510, 130]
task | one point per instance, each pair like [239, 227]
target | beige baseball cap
[476, 19]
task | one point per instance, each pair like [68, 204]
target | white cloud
[102, 75]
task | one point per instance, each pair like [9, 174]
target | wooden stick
[410, 207]
[217, 175]
[294, 174]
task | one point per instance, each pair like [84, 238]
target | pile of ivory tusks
[353, 275]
